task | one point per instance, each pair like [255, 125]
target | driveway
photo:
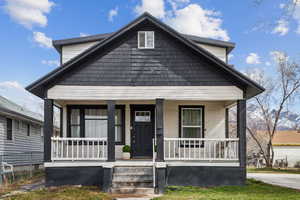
[284, 180]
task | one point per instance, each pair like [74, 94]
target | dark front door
[142, 130]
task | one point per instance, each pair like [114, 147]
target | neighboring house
[144, 83]
[21, 135]
[286, 145]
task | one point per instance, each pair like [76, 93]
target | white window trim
[189, 126]
[152, 47]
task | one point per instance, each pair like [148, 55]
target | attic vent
[146, 39]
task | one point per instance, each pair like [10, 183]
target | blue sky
[27, 27]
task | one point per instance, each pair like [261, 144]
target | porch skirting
[101, 176]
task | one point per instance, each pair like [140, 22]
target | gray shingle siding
[169, 63]
[16, 151]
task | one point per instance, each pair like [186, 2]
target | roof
[10, 108]
[92, 38]
[286, 138]
[38, 87]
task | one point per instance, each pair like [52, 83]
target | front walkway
[284, 180]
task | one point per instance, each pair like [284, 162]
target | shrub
[126, 149]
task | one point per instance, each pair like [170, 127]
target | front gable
[116, 61]
[170, 63]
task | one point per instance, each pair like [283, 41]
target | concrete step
[126, 190]
[132, 184]
[132, 178]
[133, 170]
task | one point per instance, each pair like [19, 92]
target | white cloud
[15, 92]
[154, 7]
[282, 27]
[186, 18]
[253, 59]
[230, 56]
[42, 39]
[296, 14]
[195, 20]
[29, 12]
[176, 3]
[256, 74]
[112, 13]
[278, 56]
[83, 34]
[52, 63]
[268, 63]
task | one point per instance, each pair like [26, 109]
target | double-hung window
[146, 39]
[191, 122]
[91, 122]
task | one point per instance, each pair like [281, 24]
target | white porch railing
[78, 148]
[223, 149]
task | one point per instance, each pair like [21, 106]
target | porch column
[48, 128]
[241, 131]
[111, 131]
[160, 129]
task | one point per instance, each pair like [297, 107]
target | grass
[254, 190]
[63, 193]
[21, 179]
[274, 170]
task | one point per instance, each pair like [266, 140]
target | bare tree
[281, 91]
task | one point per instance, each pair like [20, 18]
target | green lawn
[254, 190]
[64, 193]
[274, 170]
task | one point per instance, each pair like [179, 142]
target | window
[191, 121]
[91, 122]
[146, 39]
[75, 122]
[9, 129]
[28, 129]
[17, 125]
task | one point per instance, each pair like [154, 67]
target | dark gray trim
[241, 130]
[204, 176]
[87, 176]
[39, 86]
[160, 179]
[226, 123]
[93, 38]
[107, 179]
[82, 120]
[48, 128]
[61, 122]
[160, 129]
[111, 131]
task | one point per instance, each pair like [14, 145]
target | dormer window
[146, 39]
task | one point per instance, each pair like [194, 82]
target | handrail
[202, 149]
[78, 148]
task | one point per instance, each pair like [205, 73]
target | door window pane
[142, 116]
[75, 116]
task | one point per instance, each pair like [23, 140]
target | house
[286, 146]
[21, 135]
[163, 93]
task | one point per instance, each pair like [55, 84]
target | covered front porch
[174, 132]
